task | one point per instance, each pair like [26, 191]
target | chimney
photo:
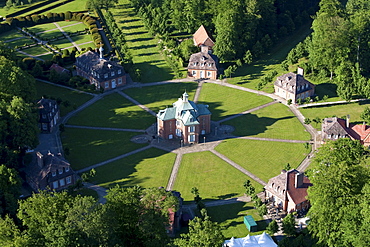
[283, 171]
[363, 126]
[347, 121]
[204, 48]
[300, 71]
[101, 52]
[298, 180]
[39, 158]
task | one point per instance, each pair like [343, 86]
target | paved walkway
[197, 93]
[329, 103]
[103, 128]
[66, 35]
[137, 103]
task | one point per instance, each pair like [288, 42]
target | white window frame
[53, 173]
[119, 72]
[55, 185]
[112, 73]
[191, 128]
[119, 81]
[60, 171]
[67, 168]
[178, 132]
[62, 182]
[68, 180]
[191, 138]
[106, 85]
[209, 73]
[194, 72]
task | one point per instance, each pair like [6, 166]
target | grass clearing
[75, 6]
[42, 28]
[265, 159]
[36, 50]
[88, 147]
[149, 168]
[162, 96]
[113, 111]
[231, 219]
[250, 75]
[20, 42]
[75, 98]
[274, 121]
[11, 35]
[341, 110]
[214, 178]
[142, 45]
[230, 101]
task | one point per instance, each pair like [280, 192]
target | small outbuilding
[250, 223]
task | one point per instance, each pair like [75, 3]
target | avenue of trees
[339, 46]
[340, 212]
[240, 28]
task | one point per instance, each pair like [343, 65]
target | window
[105, 75]
[194, 72]
[113, 81]
[112, 73]
[53, 173]
[55, 185]
[306, 85]
[178, 123]
[119, 80]
[178, 132]
[43, 116]
[203, 132]
[202, 64]
[67, 168]
[191, 138]
[68, 180]
[119, 72]
[170, 137]
[209, 65]
[209, 73]
[194, 63]
[60, 171]
[62, 183]
[191, 128]
[106, 84]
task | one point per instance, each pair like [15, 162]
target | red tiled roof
[299, 194]
[363, 131]
[201, 37]
[58, 68]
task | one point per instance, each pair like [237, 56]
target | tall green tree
[202, 232]
[338, 178]
[10, 186]
[289, 225]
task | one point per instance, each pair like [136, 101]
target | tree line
[239, 27]
[339, 46]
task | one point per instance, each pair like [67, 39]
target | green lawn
[230, 101]
[43, 27]
[250, 75]
[149, 168]
[274, 121]
[75, 98]
[20, 42]
[143, 47]
[34, 51]
[83, 38]
[214, 178]
[264, 159]
[74, 6]
[88, 147]
[46, 57]
[62, 43]
[162, 96]
[4, 12]
[74, 28]
[67, 23]
[113, 111]
[231, 218]
[340, 110]
[11, 35]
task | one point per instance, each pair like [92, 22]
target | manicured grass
[11, 35]
[114, 111]
[83, 38]
[340, 110]
[74, 28]
[150, 168]
[37, 50]
[75, 6]
[46, 57]
[20, 42]
[231, 218]
[162, 96]
[214, 178]
[88, 147]
[4, 12]
[274, 121]
[225, 101]
[50, 34]
[43, 27]
[250, 75]
[67, 23]
[75, 98]
[142, 45]
[91, 44]
[265, 159]
[62, 43]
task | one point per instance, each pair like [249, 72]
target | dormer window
[60, 171]
[112, 73]
[329, 136]
[202, 64]
[203, 58]
[194, 63]
[67, 169]
[105, 75]
[53, 173]
[209, 65]
[119, 72]
[306, 85]
[98, 76]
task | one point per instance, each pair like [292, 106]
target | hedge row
[29, 21]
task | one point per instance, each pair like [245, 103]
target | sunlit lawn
[214, 178]
[42, 27]
[74, 28]
[113, 111]
[274, 121]
[19, 42]
[67, 23]
[75, 98]
[265, 159]
[231, 218]
[143, 47]
[83, 38]
[224, 101]
[74, 6]
[340, 110]
[250, 75]
[88, 147]
[162, 96]
[4, 11]
[11, 35]
[149, 168]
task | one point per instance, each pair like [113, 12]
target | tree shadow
[142, 47]
[140, 39]
[329, 89]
